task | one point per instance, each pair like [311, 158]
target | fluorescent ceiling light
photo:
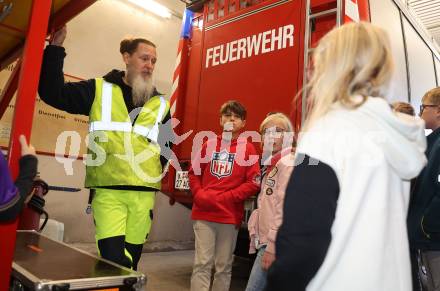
[152, 6]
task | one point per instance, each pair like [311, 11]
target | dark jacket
[12, 195]
[303, 239]
[424, 208]
[77, 97]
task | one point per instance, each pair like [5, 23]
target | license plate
[182, 180]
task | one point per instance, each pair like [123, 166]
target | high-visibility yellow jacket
[122, 153]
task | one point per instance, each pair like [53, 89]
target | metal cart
[41, 263]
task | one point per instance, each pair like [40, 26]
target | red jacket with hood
[221, 177]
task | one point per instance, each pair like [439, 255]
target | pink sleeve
[283, 177]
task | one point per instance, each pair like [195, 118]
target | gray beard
[141, 90]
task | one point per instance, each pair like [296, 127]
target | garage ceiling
[428, 13]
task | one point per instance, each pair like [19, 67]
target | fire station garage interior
[201, 53]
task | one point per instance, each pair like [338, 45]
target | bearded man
[127, 117]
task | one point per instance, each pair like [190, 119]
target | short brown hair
[130, 45]
[404, 107]
[433, 96]
[233, 106]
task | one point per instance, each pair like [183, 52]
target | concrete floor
[171, 271]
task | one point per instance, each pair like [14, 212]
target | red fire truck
[257, 52]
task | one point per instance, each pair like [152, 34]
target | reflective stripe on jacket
[121, 152]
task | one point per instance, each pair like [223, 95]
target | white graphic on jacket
[222, 164]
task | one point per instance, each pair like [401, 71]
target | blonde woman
[277, 137]
[344, 223]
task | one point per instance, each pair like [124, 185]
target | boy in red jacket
[221, 177]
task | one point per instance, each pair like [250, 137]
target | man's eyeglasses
[423, 106]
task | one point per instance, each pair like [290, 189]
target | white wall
[385, 14]
[92, 47]
[420, 63]
[437, 69]
[413, 57]
[93, 38]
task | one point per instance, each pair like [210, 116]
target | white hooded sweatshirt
[374, 153]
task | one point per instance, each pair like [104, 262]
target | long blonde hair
[352, 60]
